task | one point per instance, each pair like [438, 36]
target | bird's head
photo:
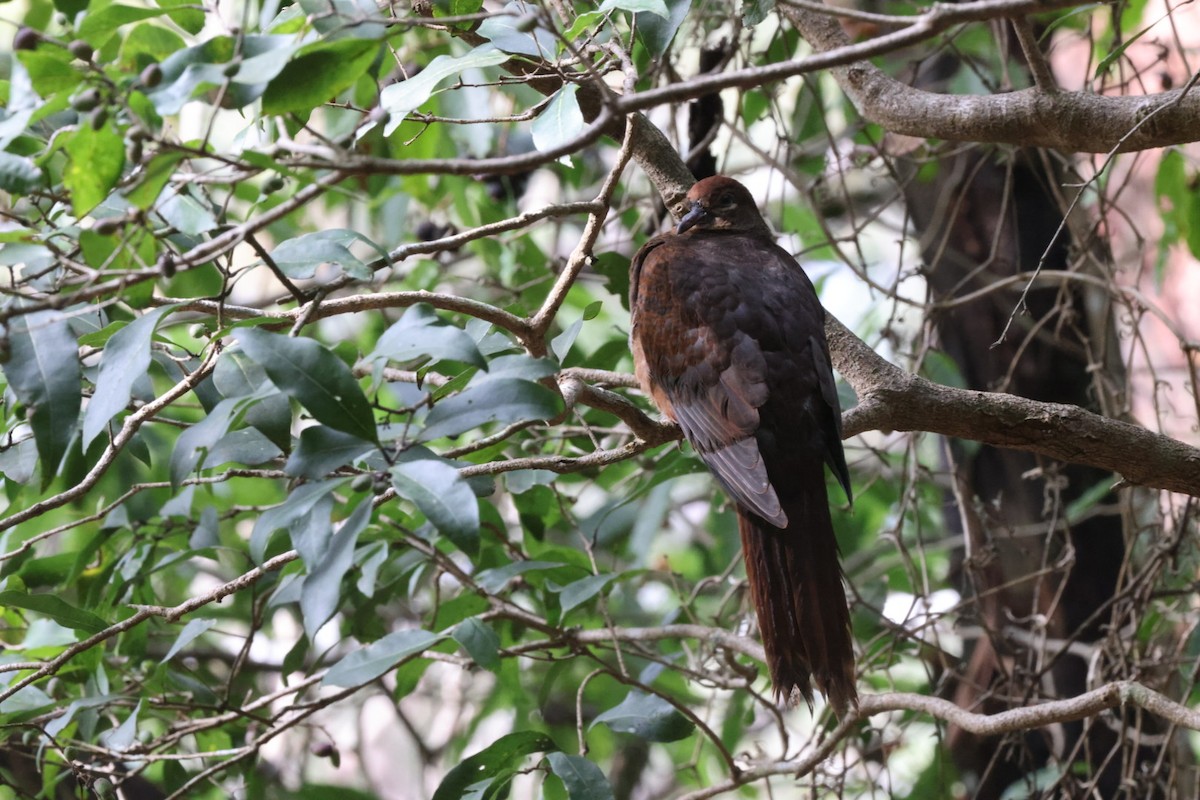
[721, 204]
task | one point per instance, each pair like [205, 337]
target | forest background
[322, 461]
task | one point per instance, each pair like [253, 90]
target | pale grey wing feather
[721, 426]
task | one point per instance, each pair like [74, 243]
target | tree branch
[1074, 122]
[1085, 705]
[892, 399]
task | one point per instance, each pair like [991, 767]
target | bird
[728, 340]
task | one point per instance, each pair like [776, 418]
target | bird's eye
[728, 200]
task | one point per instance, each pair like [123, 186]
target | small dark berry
[428, 230]
[99, 117]
[26, 39]
[151, 76]
[167, 265]
[80, 49]
[86, 100]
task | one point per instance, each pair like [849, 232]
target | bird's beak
[696, 215]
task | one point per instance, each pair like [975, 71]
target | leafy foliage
[295, 411]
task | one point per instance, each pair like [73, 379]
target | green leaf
[96, 158]
[480, 641]
[367, 664]
[146, 44]
[656, 31]
[311, 531]
[518, 366]
[322, 450]
[124, 735]
[70, 7]
[502, 757]
[243, 446]
[299, 258]
[57, 725]
[755, 11]
[421, 333]
[647, 716]
[503, 400]
[561, 345]
[755, 103]
[1171, 185]
[1118, 52]
[97, 26]
[238, 375]
[584, 589]
[319, 72]
[322, 590]
[25, 700]
[192, 631]
[582, 23]
[443, 497]
[185, 213]
[18, 174]
[656, 7]
[456, 8]
[560, 122]
[193, 445]
[399, 99]
[583, 779]
[502, 31]
[187, 72]
[314, 376]
[493, 580]
[125, 359]
[49, 70]
[55, 608]
[186, 15]
[44, 372]
[370, 558]
[299, 504]
[153, 178]
[614, 268]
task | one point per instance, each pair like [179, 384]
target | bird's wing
[720, 419]
[835, 457]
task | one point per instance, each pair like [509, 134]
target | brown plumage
[728, 339]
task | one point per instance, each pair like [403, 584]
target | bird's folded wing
[831, 423]
[720, 419]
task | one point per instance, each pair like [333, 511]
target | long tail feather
[796, 583]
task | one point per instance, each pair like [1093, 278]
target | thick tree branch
[1074, 122]
[892, 399]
